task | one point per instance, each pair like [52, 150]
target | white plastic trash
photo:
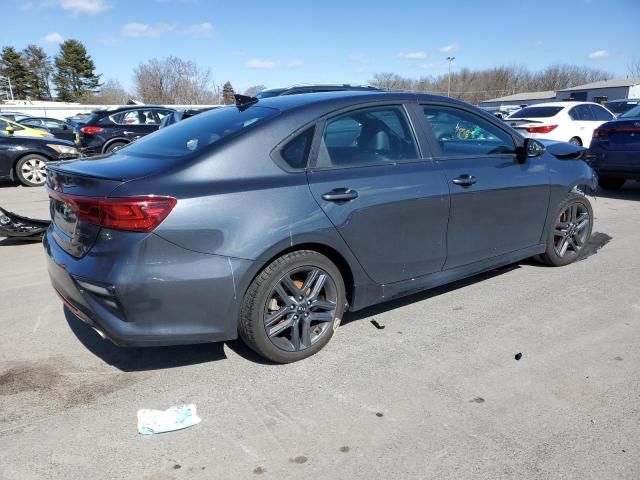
[174, 418]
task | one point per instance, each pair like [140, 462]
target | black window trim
[276, 152]
[312, 163]
[438, 156]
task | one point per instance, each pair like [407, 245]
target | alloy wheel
[34, 170]
[571, 230]
[300, 308]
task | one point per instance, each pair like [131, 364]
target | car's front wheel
[31, 170]
[293, 307]
[570, 231]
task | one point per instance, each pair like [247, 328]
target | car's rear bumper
[158, 294]
[618, 164]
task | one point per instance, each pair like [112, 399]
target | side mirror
[9, 130]
[530, 148]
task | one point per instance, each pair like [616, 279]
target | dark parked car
[618, 107]
[58, 128]
[314, 88]
[179, 115]
[13, 116]
[25, 158]
[108, 129]
[614, 152]
[273, 217]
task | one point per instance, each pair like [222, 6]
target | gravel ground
[436, 393]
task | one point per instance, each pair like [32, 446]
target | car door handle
[126, 132]
[340, 195]
[465, 180]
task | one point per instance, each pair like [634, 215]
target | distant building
[519, 100]
[602, 91]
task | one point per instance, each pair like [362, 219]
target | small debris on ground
[518, 356]
[259, 470]
[174, 418]
[379, 414]
[299, 460]
[477, 400]
[375, 323]
[344, 449]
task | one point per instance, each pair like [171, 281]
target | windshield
[633, 113]
[200, 131]
[536, 112]
[274, 92]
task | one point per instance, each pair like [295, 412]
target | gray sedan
[271, 218]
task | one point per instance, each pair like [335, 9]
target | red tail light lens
[133, 214]
[543, 129]
[597, 133]
[91, 130]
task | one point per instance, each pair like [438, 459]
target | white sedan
[572, 122]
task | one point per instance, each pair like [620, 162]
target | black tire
[112, 146]
[609, 183]
[562, 231]
[30, 170]
[258, 305]
[576, 141]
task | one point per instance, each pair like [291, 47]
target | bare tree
[474, 86]
[111, 93]
[173, 80]
[251, 91]
[633, 67]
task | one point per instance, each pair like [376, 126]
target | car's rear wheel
[31, 170]
[609, 183]
[570, 231]
[114, 146]
[576, 141]
[293, 306]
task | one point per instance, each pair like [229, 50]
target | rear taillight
[599, 133]
[134, 214]
[89, 130]
[544, 129]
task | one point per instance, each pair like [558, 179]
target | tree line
[71, 76]
[28, 74]
[475, 86]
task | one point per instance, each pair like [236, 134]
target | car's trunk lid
[621, 135]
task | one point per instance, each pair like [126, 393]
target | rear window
[185, 138]
[536, 112]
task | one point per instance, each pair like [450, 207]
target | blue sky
[278, 43]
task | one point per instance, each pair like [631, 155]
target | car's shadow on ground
[629, 191]
[154, 358]
[158, 358]
[7, 184]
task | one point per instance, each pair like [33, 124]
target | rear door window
[368, 136]
[462, 133]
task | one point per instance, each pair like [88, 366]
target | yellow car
[13, 128]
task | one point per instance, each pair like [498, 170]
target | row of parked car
[611, 133]
[27, 143]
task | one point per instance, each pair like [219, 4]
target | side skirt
[368, 295]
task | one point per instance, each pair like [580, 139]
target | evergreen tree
[12, 68]
[227, 94]
[75, 72]
[39, 68]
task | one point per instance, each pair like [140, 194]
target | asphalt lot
[437, 393]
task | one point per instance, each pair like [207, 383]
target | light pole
[449, 59]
